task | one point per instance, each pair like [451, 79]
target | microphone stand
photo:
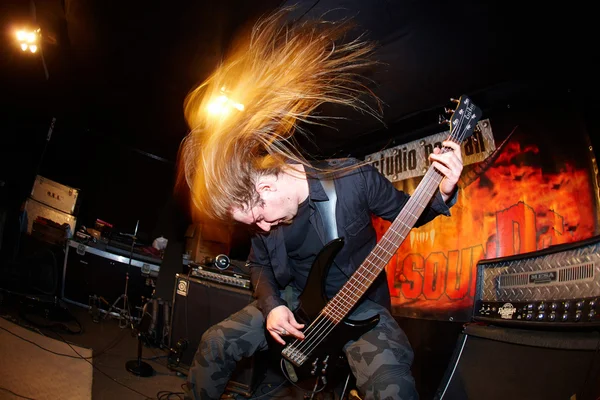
[137, 366]
[125, 314]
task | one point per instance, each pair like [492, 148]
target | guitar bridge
[296, 357]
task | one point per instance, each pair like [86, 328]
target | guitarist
[242, 167]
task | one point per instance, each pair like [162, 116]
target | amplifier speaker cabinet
[35, 209]
[557, 286]
[501, 363]
[198, 304]
[55, 195]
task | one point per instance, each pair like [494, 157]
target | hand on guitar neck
[450, 164]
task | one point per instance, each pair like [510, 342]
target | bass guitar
[327, 329]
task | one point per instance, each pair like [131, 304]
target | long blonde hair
[267, 86]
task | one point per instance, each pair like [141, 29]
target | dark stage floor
[114, 346]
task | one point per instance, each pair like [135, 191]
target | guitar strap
[327, 210]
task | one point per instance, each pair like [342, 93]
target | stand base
[139, 368]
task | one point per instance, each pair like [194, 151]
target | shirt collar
[315, 189]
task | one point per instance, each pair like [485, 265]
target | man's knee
[390, 382]
[211, 347]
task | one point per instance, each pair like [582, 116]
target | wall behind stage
[538, 188]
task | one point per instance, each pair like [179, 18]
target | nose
[265, 226]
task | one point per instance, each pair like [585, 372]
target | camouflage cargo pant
[380, 359]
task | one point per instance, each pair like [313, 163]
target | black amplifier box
[557, 286]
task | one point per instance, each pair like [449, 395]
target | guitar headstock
[464, 119]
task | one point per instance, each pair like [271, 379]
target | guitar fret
[370, 272]
[384, 249]
[407, 226]
[375, 255]
[352, 283]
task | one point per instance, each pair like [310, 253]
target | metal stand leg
[125, 316]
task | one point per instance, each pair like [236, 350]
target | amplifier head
[559, 285]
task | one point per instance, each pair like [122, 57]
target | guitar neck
[363, 277]
[462, 124]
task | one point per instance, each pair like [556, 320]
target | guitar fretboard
[363, 277]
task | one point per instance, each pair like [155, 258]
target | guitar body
[328, 360]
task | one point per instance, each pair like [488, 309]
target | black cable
[117, 340]
[102, 372]
[269, 392]
[79, 356]
[166, 395]
[14, 394]
[314, 391]
[37, 345]
[589, 373]
[54, 325]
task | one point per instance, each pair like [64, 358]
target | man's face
[279, 206]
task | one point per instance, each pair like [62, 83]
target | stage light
[28, 39]
[31, 39]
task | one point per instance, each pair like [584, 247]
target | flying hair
[268, 88]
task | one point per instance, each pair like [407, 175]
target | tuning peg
[455, 100]
[442, 120]
[448, 110]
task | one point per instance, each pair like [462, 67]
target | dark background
[118, 73]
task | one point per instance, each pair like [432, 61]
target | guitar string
[333, 306]
[325, 319]
[383, 247]
[323, 322]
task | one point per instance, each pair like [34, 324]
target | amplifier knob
[551, 317]
[528, 317]
[579, 305]
[553, 306]
[592, 303]
[578, 317]
[530, 307]
[542, 307]
[565, 317]
[591, 315]
[540, 317]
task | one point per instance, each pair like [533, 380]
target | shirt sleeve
[265, 288]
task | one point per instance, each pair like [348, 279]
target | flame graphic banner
[533, 192]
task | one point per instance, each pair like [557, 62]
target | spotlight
[28, 39]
